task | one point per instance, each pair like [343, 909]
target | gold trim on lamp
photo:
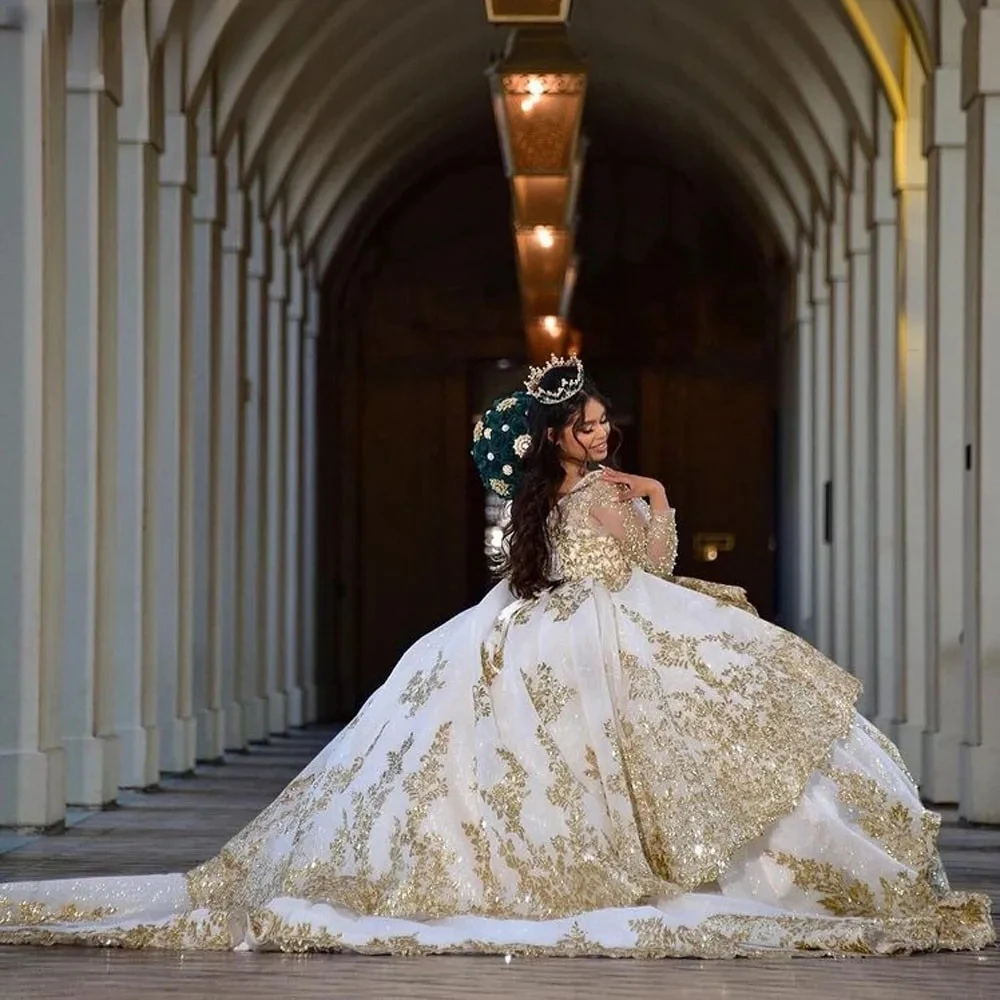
[528, 11]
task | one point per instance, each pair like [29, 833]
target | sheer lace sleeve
[647, 538]
[659, 551]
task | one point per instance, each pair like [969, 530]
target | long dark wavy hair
[526, 555]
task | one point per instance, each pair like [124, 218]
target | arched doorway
[679, 301]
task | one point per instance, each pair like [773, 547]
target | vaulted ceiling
[324, 100]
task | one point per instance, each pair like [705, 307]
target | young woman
[594, 760]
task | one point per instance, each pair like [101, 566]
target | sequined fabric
[625, 766]
[597, 535]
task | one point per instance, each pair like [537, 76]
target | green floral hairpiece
[500, 441]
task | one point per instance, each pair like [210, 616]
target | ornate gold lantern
[538, 92]
[548, 335]
[543, 256]
[528, 11]
[548, 200]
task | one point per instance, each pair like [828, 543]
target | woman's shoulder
[592, 490]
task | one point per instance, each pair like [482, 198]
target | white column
[913, 342]
[252, 661]
[32, 361]
[840, 327]
[228, 391]
[307, 619]
[979, 790]
[138, 267]
[888, 433]
[274, 576]
[862, 407]
[293, 491]
[91, 276]
[821, 443]
[173, 334]
[206, 294]
[804, 418]
[945, 147]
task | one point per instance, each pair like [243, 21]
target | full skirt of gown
[650, 772]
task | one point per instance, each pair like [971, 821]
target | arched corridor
[257, 273]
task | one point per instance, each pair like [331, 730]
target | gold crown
[568, 386]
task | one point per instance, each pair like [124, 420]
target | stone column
[274, 575]
[93, 89]
[293, 491]
[206, 330]
[805, 612]
[840, 431]
[172, 434]
[945, 148]
[32, 369]
[252, 661]
[912, 200]
[888, 432]
[226, 507]
[821, 443]
[138, 271]
[307, 626]
[862, 406]
[979, 791]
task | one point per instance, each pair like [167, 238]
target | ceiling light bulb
[545, 236]
[536, 86]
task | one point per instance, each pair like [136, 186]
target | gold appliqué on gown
[612, 768]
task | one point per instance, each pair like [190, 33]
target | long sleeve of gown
[659, 544]
[648, 538]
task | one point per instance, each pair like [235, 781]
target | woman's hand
[633, 487]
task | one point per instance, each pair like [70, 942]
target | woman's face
[585, 439]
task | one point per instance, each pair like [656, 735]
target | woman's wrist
[658, 499]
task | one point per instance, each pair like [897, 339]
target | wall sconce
[708, 545]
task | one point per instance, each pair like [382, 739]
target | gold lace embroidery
[586, 550]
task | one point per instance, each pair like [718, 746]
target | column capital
[836, 236]
[177, 160]
[980, 43]
[235, 235]
[944, 120]
[278, 288]
[819, 288]
[258, 246]
[210, 196]
[13, 16]
[882, 193]
[297, 291]
[87, 82]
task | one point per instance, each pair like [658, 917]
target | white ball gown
[624, 766]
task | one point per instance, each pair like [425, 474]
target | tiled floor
[190, 818]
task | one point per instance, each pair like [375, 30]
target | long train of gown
[631, 764]
[645, 771]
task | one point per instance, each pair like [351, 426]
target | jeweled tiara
[568, 386]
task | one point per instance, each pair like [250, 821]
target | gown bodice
[595, 534]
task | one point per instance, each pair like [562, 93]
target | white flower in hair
[477, 431]
[508, 470]
[569, 385]
[499, 487]
[488, 433]
[522, 445]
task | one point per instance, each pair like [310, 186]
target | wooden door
[710, 438]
